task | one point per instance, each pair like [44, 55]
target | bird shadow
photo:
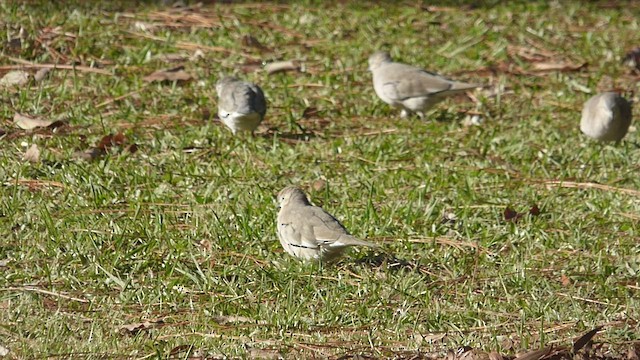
[288, 137]
[389, 262]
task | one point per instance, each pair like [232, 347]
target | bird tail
[352, 241]
[460, 86]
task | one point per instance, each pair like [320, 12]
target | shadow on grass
[388, 261]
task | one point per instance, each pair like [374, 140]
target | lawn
[139, 227]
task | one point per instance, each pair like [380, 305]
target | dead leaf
[251, 66]
[32, 154]
[2, 131]
[4, 351]
[280, 66]
[310, 112]
[632, 353]
[318, 185]
[181, 349]
[133, 329]
[467, 353]
[28, 123]
[534, 211]
[535, 354]
[108, 141]
[133, 148]
[174, 74]
[584, 339]
[510, 214]
[222, 319]
[564, 280]
[41, 74]
[251, 41]
[556, 66]
[4, 262]
[14, 78]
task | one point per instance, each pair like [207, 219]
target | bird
[410, 88]
[309, 232]
[606, 117]
[241, 104]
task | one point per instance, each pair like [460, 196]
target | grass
[181, 233]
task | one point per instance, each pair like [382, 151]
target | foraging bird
[308, 232]
[606, 117]
[241, 104]
[410, 88]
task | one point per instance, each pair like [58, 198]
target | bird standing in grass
[241, 104]
[308, 232]
[410, 88]
[606, 117]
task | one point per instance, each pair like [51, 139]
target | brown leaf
[510, 214]
[28, 123]
[108, 141]
[133, 148]
[318, 185]
[251, 41]
[56, 124]
[180, 349]
[32, 154]
[564, 280]
[2, 131]
[584, 339]
[105, 142]
[14, 78]
[169, 75]
[119, 139]
[535, 354]
[556, 66]
[280, 66]
[632, 353]
[535, 210]
[133, 329]
[310, 112]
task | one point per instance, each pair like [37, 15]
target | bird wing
[257, 99]
[242, 98]
[403, 81]
[327, 230]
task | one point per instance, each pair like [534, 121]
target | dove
[606, 117]
[241, 104]
[412, 89]
[308, 232]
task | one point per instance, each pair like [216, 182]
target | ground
[139, 227]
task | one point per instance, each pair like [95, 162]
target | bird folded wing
[416, 83]
[236, 99]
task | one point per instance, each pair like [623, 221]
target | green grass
[183, 230]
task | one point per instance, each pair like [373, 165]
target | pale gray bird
[606, 117]
[308, 232]
[241, 104]
[410, 88]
